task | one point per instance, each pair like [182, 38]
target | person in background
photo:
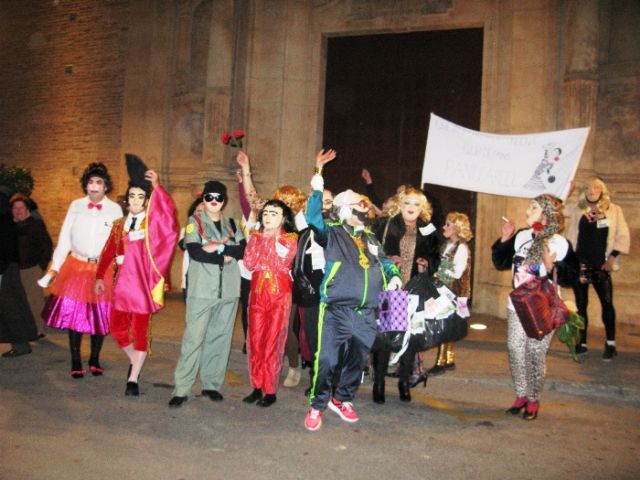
[34, 251]
[600, 233]
[185, 255]
[73, 304]
[308, 272]
[455, 273]
[16, 322]
[389, 207]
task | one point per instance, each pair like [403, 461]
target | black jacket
[34, 243]
[427, 246]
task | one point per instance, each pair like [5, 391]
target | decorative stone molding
[360, 10]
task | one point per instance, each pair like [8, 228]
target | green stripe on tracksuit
[345, 337]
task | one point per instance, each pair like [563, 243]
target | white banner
[511, 165]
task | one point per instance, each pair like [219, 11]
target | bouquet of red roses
[233, 139]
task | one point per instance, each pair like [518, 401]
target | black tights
[381, 355]
[75, 340]
[604, 289]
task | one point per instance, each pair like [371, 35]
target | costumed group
[309, 273]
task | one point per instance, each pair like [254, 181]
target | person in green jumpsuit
[213, 289]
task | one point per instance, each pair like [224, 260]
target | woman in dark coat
[412, 243]
[16, 322]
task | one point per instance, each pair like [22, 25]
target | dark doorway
[380, 90]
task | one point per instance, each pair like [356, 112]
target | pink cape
[143, 277]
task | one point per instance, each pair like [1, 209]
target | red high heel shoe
[531, 413]
[517, 407]
[78, 373]
[95, 368]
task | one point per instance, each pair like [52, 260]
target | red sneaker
[313, 420]
[344, 410]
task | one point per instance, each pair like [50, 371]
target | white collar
[139, 217]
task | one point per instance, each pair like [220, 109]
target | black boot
[75, 340]
[254, 396]
[378, 392]
[380, 361]
[266, 401]
[404, 389]
[132, 389]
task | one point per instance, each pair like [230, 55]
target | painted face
[137, 200]
[535, 214]
[359, 213]
[448, 230]
[96, 189]
[594, 191]
[411, 208]
[327, 201]
[272, 217]
[20, 211]
[213, 202]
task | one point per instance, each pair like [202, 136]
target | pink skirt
[73, 304]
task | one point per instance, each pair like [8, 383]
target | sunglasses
[210, 197]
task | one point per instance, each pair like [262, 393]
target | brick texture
[61, 93]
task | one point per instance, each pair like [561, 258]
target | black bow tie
[133, 223]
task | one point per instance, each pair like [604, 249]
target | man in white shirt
[73, 304]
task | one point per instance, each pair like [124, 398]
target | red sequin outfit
[270, 258]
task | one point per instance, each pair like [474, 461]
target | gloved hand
[317, 182]
[394, 284]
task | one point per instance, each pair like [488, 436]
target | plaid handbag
[539, 307]
[393, 311]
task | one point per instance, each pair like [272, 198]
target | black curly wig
[96, 170]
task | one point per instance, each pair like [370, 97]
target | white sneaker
[293, 377]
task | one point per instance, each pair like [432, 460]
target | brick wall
[61, 93]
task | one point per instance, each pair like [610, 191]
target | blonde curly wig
[425, 206]
[604, 201]
[460, 222]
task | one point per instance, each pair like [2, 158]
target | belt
[84, 259]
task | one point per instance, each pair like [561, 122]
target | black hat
[213, 186]
[136, 170]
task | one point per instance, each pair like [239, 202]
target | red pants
[127, 327]
[268, 326]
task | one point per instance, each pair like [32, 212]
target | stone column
[579, 91]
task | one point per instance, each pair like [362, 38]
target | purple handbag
[393, 312]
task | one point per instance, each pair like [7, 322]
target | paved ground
[54, 427]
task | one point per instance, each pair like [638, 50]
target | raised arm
[314, 205]
[371, 191]
[249, 188]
